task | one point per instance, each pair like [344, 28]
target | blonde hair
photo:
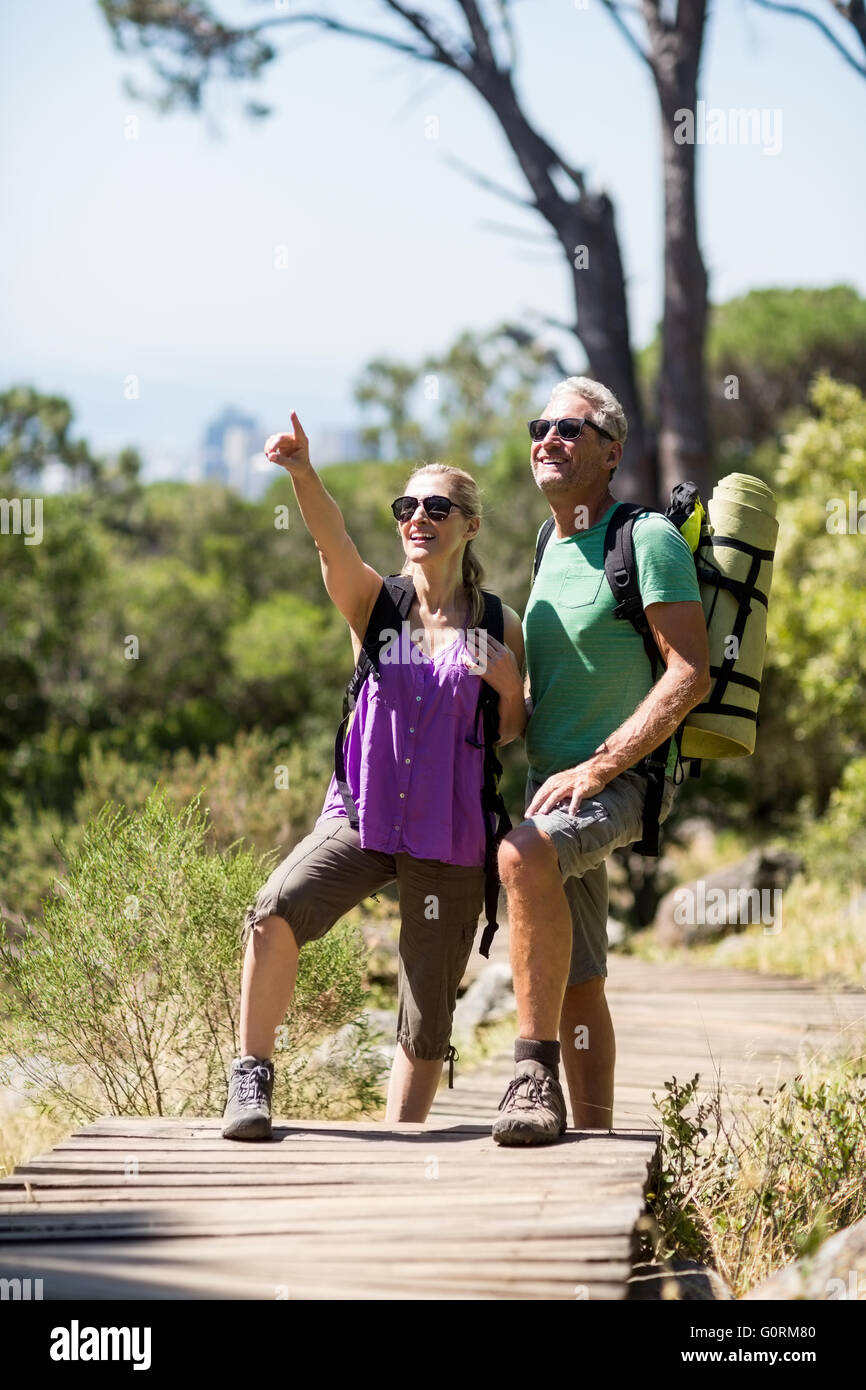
[465, 492]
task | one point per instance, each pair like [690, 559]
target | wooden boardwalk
[166, 1209]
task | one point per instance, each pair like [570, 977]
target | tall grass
[747, 1186]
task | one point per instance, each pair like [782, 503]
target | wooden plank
[559, 1229]
[372, 1133]
[110, 1282]
[284, 1160]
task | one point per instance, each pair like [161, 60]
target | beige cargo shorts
[604, 822]
[328, 873]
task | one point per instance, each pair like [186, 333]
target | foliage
[763, 350]
[124, 999]
[235, 637]
[813, 718]
[775, 341]
[748, 1186]
[461, 402]
[834, 843]
[257, 787]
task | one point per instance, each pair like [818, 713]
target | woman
[414, 770]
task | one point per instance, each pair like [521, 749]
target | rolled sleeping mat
[735, 568]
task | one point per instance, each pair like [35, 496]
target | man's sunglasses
[437, 508]
[569, 428]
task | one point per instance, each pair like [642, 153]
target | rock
[616, 932]
[335, 1049]
[837, 1270]
[489, 998]
[728, 900]
[685, 1281]
[698, 834]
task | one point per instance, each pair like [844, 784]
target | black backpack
[390, 611]
[620, 571]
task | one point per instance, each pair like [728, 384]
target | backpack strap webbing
[496, 819]
[620, 569]
[543, 537]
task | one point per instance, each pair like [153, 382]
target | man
[594, 713]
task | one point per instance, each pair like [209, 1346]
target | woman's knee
[271, 930]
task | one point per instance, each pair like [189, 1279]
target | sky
[155, 258]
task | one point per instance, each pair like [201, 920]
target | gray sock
[547, 1053]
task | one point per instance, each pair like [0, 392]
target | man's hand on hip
[567, 789]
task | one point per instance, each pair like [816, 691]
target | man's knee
[593, 988]
[526, 853]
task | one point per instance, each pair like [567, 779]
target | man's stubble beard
[564, 481]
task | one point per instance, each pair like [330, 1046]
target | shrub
[751, 1185]
[125, 997]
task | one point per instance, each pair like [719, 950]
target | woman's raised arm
[351, 584]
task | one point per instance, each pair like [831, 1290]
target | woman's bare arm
[351, 584]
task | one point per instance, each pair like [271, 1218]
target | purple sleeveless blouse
[415, 779]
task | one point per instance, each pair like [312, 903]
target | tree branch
[797, 12]
[508, 30]
[480, 36]
[615, 12]
[484, 182]
[506, 229]
[855, 13]
[337, 26]
[421, 25]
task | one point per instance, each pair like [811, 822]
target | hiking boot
[533, 1107]
[248, 1109]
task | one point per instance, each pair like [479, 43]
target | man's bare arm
[680, 632]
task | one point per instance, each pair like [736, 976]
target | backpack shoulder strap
[391, 608]
[620, 570]
[496, 820]
[540, 545]
[493, 620]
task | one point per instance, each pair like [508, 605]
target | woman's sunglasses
[569, 428]
[437, 508]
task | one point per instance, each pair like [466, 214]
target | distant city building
[232, 454]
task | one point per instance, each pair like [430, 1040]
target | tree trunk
[598, 281]
[603, 330]
[684, 445]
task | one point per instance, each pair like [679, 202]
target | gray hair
[607, 412]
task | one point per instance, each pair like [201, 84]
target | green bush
[260, 788]
[750, 1185]
[125, 998]
[834, 844]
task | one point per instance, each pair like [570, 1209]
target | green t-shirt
[588, 671]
